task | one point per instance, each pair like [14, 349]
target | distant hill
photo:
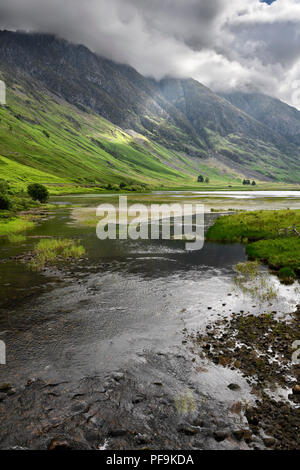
[76, 116]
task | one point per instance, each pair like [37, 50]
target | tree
[38, 192]
[200, 179]
[246, 182]
[4, 186]
[206, 180]
[253, 183]
[5, 203]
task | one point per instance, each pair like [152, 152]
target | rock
[142, 439]
[269, 441]
[247, 436]
[138, 398]
[187, 430]
[251, 417]
[117, 432]
[296, 390]
[238, 434]
[59, 443]
[234, 387]
[2, 396]
[5, 387]
[118, 376]
[220, 435]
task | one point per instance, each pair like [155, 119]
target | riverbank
[262, 348]
[18, 223]
[266, 238]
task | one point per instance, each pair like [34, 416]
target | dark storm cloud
[244, 43]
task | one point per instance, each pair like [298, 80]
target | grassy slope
[271, 163]
[44, 139]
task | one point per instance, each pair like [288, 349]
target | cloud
[247, 44]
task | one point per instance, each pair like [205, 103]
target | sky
[224, 44]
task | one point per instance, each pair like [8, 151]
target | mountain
[279, 116]
[76, 116]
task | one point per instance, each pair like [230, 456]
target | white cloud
[221, 43]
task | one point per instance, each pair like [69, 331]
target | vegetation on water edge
[50, 251]
[16, 238]
[260, 231]
[252, 226]
[251, 281]
[12, 226]
[281, 253]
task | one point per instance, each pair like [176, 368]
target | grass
[40, 143]
[55, 250]
[15, 238]
[259, 231]
[252, 226]
[249, 280]
[277, 253]
[10, 227]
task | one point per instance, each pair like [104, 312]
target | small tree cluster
[248, 182]
[5, 202]
[202, 179]
[38, 192]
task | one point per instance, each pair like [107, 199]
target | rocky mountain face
[182, 115]
[279, 116]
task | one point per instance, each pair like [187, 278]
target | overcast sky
[222, 43]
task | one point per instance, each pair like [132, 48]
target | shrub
[4, 187]
[5, 203]
[38, 192]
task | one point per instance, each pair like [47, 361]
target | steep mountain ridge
[182, 116]
[281, 117]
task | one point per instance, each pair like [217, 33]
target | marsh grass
[251, 281]
[278, 253]
[53, 251]
[9, 227]
[259, 231]
[252, 225]
[15, 238]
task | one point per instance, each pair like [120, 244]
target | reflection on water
[104, 312]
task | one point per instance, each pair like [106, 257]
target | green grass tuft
[53, 251]
[8, 227]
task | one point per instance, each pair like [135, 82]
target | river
[125, 307]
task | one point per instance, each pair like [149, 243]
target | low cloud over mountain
[246, 44]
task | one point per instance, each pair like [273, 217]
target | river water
[127, 302]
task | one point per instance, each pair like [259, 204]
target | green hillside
[44, 139]
[74, 118]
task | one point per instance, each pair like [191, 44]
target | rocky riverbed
[120, 411]
[262, 347]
